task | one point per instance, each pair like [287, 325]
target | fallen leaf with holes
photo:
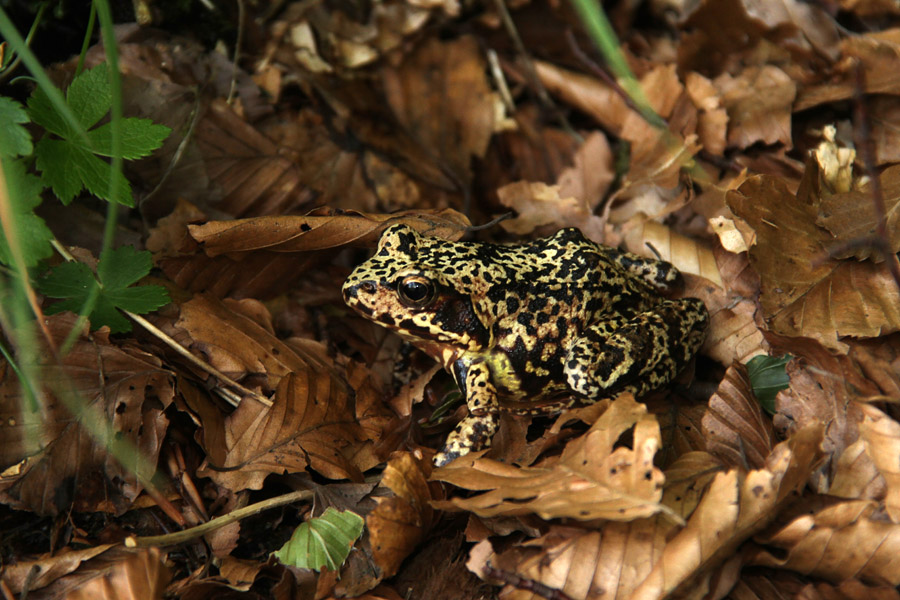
[314, 232]
[735, 506]
[64, 454]
[590, 480]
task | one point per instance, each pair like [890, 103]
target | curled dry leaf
[590, 480]
[584, 564]
[320, 232]
[91, 573]
[60, 465]
[735, 506]
[310, 424]
[849, 540]
[882, 437]
[400, 522]
[687, 479]
[688, 255]
[737, 431]
[803, 292]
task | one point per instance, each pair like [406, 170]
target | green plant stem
[15, 63]
[107, 32]
[594, 20]
[86, 42]
[187, 535]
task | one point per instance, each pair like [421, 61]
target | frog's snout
[352, 290]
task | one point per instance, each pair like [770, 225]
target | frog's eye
[415, 290]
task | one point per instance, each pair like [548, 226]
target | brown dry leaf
[585, 564]
[720, 34]
[835, 298]
[712, 118]
[315, 421]
[687, 254]
[735, 506]
[758, 102]
[851, 215]
[882, 437]
[848, 540]
[253, 176]
[590, 480]
[822, 389]
[313, 232]
[571, 201]
[59, 465]
[400, 522]
[441, 97]
[855, 475]
[539, 205]
[878, 54]
[104, 571]
[733, 335]
[687, 479]
[310, 424]
[738, 432]
[879, 362]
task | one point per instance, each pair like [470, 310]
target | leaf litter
[421, 113]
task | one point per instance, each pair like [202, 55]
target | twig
[234, 516]
[171, 343]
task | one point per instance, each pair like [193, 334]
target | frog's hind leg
[639, 355]
[476, 430]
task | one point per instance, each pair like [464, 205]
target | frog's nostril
[367, 287]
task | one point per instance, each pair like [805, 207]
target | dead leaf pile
[767, 171]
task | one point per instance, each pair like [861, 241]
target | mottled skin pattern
[530, 328]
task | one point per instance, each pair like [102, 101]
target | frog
[530, 328]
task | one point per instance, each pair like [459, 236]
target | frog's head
[410, 286]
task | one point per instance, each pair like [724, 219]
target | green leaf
[768, 377]
[14, 139]
[32, 233]
[71, 164]
[322, 542]
[41, 110]
[89, 96]
[140, 137]
[118, 269]
[68, 168]
[123, 266]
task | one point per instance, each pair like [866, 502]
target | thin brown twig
[186, 535]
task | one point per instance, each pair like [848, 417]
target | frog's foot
[473, 433]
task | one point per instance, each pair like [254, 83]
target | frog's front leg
[476, 430]
[640, 354]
